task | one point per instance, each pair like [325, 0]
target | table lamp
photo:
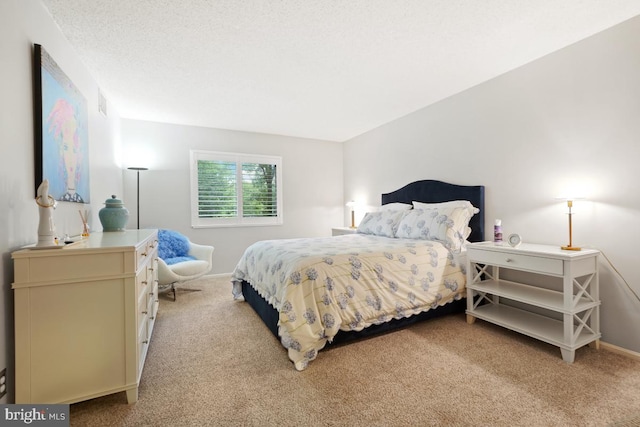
[570, 246]
[352, 206]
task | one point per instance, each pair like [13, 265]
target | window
[230, 189]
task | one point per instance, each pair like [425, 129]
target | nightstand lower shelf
[537, 326]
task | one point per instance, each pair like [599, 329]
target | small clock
[514, 240]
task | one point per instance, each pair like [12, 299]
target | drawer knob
[143, 254]
[144, 312]
[144, 282]
[509, 260]
[145, 342]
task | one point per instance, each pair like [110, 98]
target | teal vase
[114, 215]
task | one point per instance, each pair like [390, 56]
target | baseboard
[619, 350]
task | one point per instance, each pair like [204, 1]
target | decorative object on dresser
[403, 265]
[114, 215]
[46, 205]
[84, 316]
[566, 315]
[84, 217]
[180, 260]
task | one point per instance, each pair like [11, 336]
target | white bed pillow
[396, 206]
[447, 225]
[452, 204]
[381, 223]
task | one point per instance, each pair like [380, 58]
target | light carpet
[212, 362]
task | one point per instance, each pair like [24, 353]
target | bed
[406, 263]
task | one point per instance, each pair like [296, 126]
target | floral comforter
[322, 285]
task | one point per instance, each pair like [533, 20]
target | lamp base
[570, 248]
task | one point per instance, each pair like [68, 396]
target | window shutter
[259, 190]
[231, 189]
[217, 194]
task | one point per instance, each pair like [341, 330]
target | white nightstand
[572, 317]
[339, 231]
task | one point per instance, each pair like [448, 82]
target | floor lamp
[138, 169]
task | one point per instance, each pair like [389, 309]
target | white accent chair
[170, 275]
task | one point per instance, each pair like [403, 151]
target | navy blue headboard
[432, 191]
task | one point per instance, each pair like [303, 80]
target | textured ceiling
[325, 69]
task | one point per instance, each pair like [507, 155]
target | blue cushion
[175, 260]
[172, 244]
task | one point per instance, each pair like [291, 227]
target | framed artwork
[61, 134]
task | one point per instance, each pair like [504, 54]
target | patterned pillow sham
[451, 204]
[447, 225]
[382, 223]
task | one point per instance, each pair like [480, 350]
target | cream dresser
[84, 315]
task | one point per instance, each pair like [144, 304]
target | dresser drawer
[143, 342]
[531, 263]
[143, 304]
[151, 320]
[150, 299]
[152, 275]
[142, 282]
[144, 253]
[153, 299]
[152, 244]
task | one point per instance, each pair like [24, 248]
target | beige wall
[567, 119]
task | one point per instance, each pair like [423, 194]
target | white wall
[570, 118]
[23, 23]
[312, 184]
